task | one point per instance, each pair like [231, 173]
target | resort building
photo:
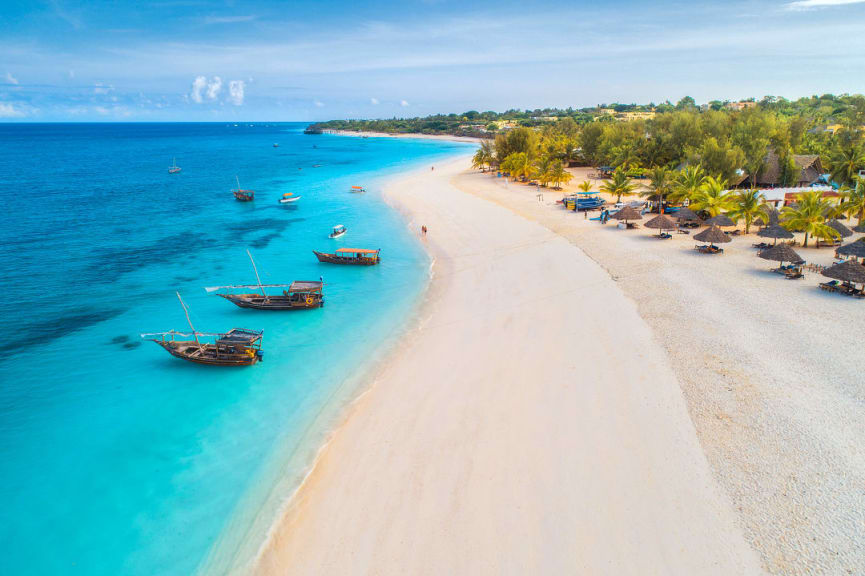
[628, 116]
[809, 166]
[741, 105]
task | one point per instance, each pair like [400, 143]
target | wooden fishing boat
[298, 295]
[357, 189]
[174, 168]
[351, 256]
[338, 231]
[237, 347]
[288, 198]
[242, 195]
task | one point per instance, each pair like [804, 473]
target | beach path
[529, 425]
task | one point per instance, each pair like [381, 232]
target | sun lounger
[830, 286]
[665, 236]
[706, 249]
[762, 245]
[680, 231]
[794, 274]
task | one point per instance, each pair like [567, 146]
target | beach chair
[830, 286]
[794, 274]
[665, 236]
[680, 231]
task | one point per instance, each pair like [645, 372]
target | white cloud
[318, 104]
[814, 4]
[214, 87]
[403, 103]
[235, 92]
[229, 19]
[373, 101]
[198, 86]
[100, 88]
[11, 79]
[9, 111]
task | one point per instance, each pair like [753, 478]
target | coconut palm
[518, 165]
[688, 183]
[809, 215]
[846, 161]
[747, 205]
[660, 185]
[854, 201]
[585, 186]
[712, 196]
[557, 174]
[484, 156]
[619, 185]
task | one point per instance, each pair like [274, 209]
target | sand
[771, 369]
[531, 423]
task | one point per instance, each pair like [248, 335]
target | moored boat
[583, 201]
[350, 256]
[298, 295]
[338, 231]
[242, 195]
[288, 198]
[357, 189]
[174, 168]
[237, 347]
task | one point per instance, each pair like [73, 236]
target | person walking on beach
[423, 229]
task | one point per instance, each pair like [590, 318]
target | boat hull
[259, 302]
[207, 354]
[348, 261]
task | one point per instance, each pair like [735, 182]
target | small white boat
[338, 231]
[275, 145]
[288, 198]
[174, 168]
[357, 189]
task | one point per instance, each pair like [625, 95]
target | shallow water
[116, 457]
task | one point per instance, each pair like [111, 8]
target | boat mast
[260, 287]
[238, 182]
[186, 311]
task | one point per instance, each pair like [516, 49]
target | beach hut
[719, 220]
[783, 253]
[661, 223]
[713, 235]
[628, 213]
[775, 231]
[840, 228]
[853, 249]
[850, 273]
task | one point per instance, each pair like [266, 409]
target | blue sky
[190, 60]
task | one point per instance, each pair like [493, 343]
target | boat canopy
[235, 286]
[338, 227]
[357, 187]
[305, 286]
[287, 194]
[241, 335]
[356, 251]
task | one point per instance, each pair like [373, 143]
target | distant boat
[174, 168]
[357, 189]
[316, 165]
[338, 231]
[350, 256]
[237, 347]
[301, 294]
[275, 145]
[288, 198]
[242, 195]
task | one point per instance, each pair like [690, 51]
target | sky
[190, 60]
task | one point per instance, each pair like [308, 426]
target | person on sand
[423, 230]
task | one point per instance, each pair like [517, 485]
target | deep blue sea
[116, 458]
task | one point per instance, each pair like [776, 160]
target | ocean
[116, 458]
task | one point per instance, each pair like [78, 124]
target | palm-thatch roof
[840, 228]
[780, 253]
[685, 213]
[662, 222]
[853, 249]
[846, 271]
[628, 213]
[719, 220]
[860, 227]
[775, 231]
[712, 235]
[809, 165]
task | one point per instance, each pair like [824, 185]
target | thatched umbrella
[628, 213]
[685, 213]
[781, 253]
[662, 222]
[719, 220]
[860, 227]
[713, 235]
[775, 231]
[855, 249]
[840, 228]
[847, 271]
[773, 216]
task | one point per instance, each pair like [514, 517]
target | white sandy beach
[532, 424]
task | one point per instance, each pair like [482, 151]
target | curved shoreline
[383, 497]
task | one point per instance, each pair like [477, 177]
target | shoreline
[311, 510]
[413, 136]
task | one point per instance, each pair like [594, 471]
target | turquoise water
[117, 458]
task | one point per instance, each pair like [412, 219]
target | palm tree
[808, 215]
[518, 165]
[854, 201]
[484, 156]
[619, 185]
[688, 183]
[846, 161]
[585, 186]
[748, 206]
[712, 197]
[558, 175]
[660, 185]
